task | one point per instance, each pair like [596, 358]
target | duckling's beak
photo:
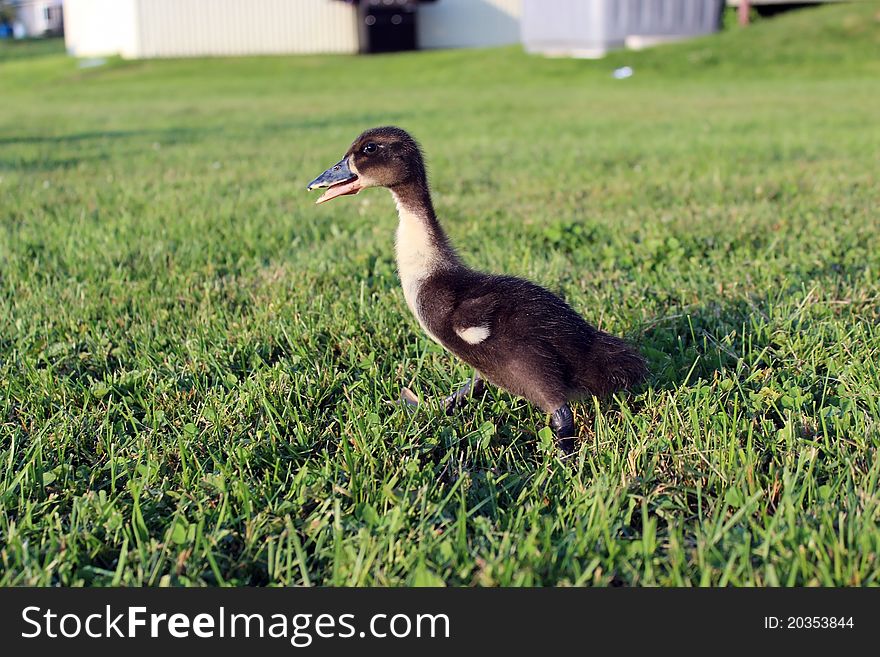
[340, 180]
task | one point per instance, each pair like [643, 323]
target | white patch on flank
[473, 334]
[417, 257]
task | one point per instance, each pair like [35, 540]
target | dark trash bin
[387, 25]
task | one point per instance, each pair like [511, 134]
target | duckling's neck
[422, 247]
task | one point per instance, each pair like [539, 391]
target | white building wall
[32, 15]
[184, 28]
[180, 28]
[97, 28]
[469, 23]
[26, 15]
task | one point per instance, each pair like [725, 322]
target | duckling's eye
[370, 148]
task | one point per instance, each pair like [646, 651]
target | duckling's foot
[408, 398]
[472, 388]
[562, 423]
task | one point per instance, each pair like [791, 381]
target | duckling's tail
[611, 365]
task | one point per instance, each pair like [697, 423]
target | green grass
[196, 363]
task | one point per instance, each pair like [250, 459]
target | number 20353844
[808, 622]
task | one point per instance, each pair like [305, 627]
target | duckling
[514, 333]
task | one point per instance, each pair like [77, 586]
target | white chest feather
[417, 258]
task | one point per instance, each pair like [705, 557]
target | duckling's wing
[473, 318]
[491, 301]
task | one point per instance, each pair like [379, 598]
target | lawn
[197, 364]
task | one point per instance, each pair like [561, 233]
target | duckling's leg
[472, 388]
[562, 423]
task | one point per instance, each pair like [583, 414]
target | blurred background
[171, 28]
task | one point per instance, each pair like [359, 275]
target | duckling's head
[380, 157]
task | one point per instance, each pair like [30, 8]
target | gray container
[590, 28]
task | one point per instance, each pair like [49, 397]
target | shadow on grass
[694, 343]
[46, 164]
[170, 135]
